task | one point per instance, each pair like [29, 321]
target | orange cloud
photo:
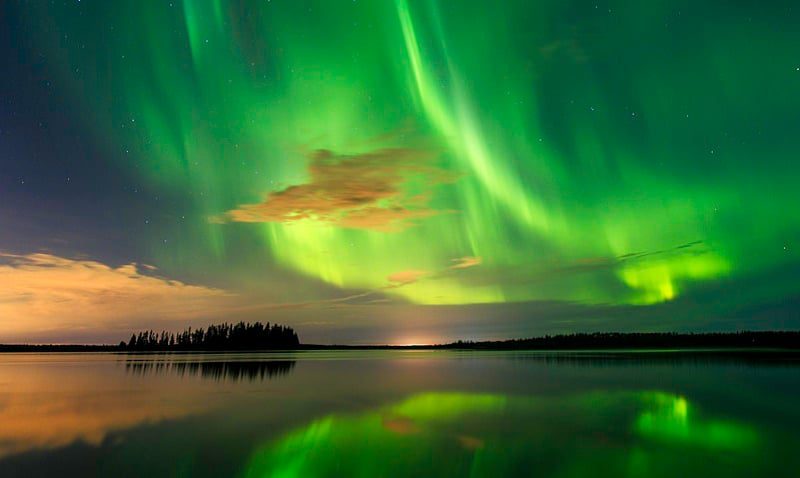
[365, 191]
[395, 280]
[400, 425]
[410, 276]
[43, 292]
[465, 262]
[470, 442]
[407, 276]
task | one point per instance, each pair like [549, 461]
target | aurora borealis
[398, 171]
[473, 433]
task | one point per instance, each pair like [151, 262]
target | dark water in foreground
[405, 413]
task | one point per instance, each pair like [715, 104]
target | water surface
[398, 413]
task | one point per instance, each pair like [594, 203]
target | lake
[398, 413]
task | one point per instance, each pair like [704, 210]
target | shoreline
[785, 341]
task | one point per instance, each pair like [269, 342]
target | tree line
[616, 340]
[240, 336]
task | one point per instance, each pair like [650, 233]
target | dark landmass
[241, 336]
[605, 341]
[258, 337]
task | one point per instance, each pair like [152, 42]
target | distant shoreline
[746, 341]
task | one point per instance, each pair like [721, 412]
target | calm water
[372, 414]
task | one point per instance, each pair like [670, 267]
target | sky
[399, 171]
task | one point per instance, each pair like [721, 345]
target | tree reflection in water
[234, 370]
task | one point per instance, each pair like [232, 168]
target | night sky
[399, 171]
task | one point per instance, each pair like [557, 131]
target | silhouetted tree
[240, 336]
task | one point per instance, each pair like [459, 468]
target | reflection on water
[463, 434]
[667, 418]
[232, 370]
[49, 401]
[395, 414]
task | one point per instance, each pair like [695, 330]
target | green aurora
[612, 433]
[614, 153]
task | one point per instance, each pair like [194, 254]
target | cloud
[364, 191]
[46, 298]
[394, 280]
[407, 276]
[465, 262]
[410, 276]
[41, 293]
[525, 273]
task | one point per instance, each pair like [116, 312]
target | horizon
[440, 343]
[370, 173]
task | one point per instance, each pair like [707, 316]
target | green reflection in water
[464, 434]
[669, 419]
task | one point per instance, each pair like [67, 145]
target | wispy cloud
[465, 262]
[410, 276]
[394, 280]
[363, 191]
[43, 292]
[43, 296]
[516, 274]
[406, 277]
